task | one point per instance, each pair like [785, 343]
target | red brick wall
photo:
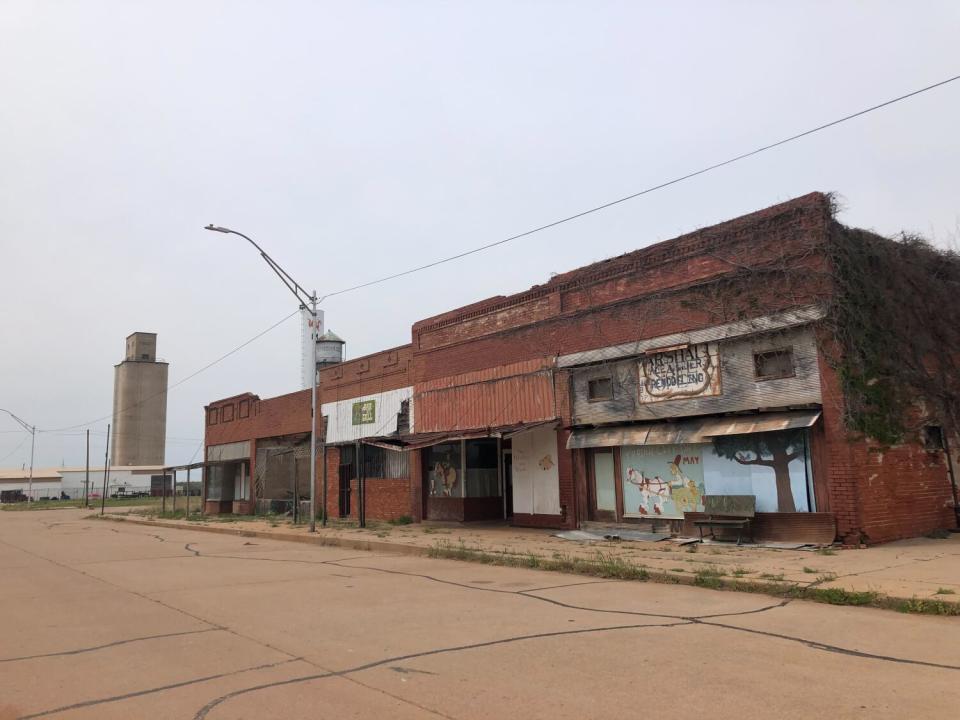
[880, 494]
[284, 415]
[387, 498]
[379, 372]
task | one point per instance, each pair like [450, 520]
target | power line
[182, 380]
[646, 191]
[20, 445]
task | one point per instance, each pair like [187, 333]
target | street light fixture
[32, 429]
[308, 301]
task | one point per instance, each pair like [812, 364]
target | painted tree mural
[774, 450]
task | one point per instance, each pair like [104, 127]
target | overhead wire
[181, 381]
[541, 228]
[645, 191]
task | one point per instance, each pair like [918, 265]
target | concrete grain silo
[139, 404]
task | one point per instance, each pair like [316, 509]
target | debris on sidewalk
[611, 535]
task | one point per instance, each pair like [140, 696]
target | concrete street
[114, 620]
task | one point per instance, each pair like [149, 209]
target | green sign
[364, 412]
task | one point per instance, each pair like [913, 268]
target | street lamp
[32, 429]
[309, 301]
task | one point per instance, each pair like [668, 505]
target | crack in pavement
[80, 651]
[150, 691]
[205, 710]
[676, 620]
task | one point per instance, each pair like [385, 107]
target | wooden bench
[728, 511]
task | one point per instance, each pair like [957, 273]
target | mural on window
[662, 480]
[669, 480]
[443, 468]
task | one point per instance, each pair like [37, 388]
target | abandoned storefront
[368, 480]
[732, 410]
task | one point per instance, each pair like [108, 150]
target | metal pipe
[953, 476]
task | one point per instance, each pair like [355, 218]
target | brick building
[625, 391]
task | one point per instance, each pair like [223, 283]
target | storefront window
[442, 466]
[482, 478]
[668, 480]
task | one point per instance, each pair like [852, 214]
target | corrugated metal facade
[340, 420]
[740, 389]
[516, 393]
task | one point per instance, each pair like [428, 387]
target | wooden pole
[188, 494]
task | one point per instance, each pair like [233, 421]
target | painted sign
[689, 371]
[364, 412]
[662, 480]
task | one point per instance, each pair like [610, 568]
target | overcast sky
[356, 139]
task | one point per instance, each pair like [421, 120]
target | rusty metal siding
[740, 390]
[515, 399]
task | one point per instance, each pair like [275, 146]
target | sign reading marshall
[690, 371]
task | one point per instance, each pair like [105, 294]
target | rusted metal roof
[690, 431]
[764, 422]
[415, 441]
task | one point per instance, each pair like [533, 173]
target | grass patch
[709, 577]
[825, 551]
[769, 576]
[927, 607]
[739, 571]
[600, 565]
[94, 504]
[945, 591]
[840, 596]
[810, 570]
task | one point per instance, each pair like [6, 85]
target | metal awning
[696, 430]
[666, 433]
[764, 422]
[416, 441]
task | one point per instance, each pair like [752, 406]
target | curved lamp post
[309, 301]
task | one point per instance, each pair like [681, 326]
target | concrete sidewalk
[921, 569]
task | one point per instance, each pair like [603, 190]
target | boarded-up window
[212, 416]
[773, 364]
[397, 464]
[600, 389]
[227, 413]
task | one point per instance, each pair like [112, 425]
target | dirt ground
[115, 620]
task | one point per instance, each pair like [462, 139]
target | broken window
[773, 364]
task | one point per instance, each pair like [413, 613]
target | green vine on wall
[894, 316]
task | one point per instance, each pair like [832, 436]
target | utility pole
[86, 482]
[106, 472]
[32, 429]
[308, 301]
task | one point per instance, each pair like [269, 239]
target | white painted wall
[73, 478]
[340, 427]
[536, 480]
